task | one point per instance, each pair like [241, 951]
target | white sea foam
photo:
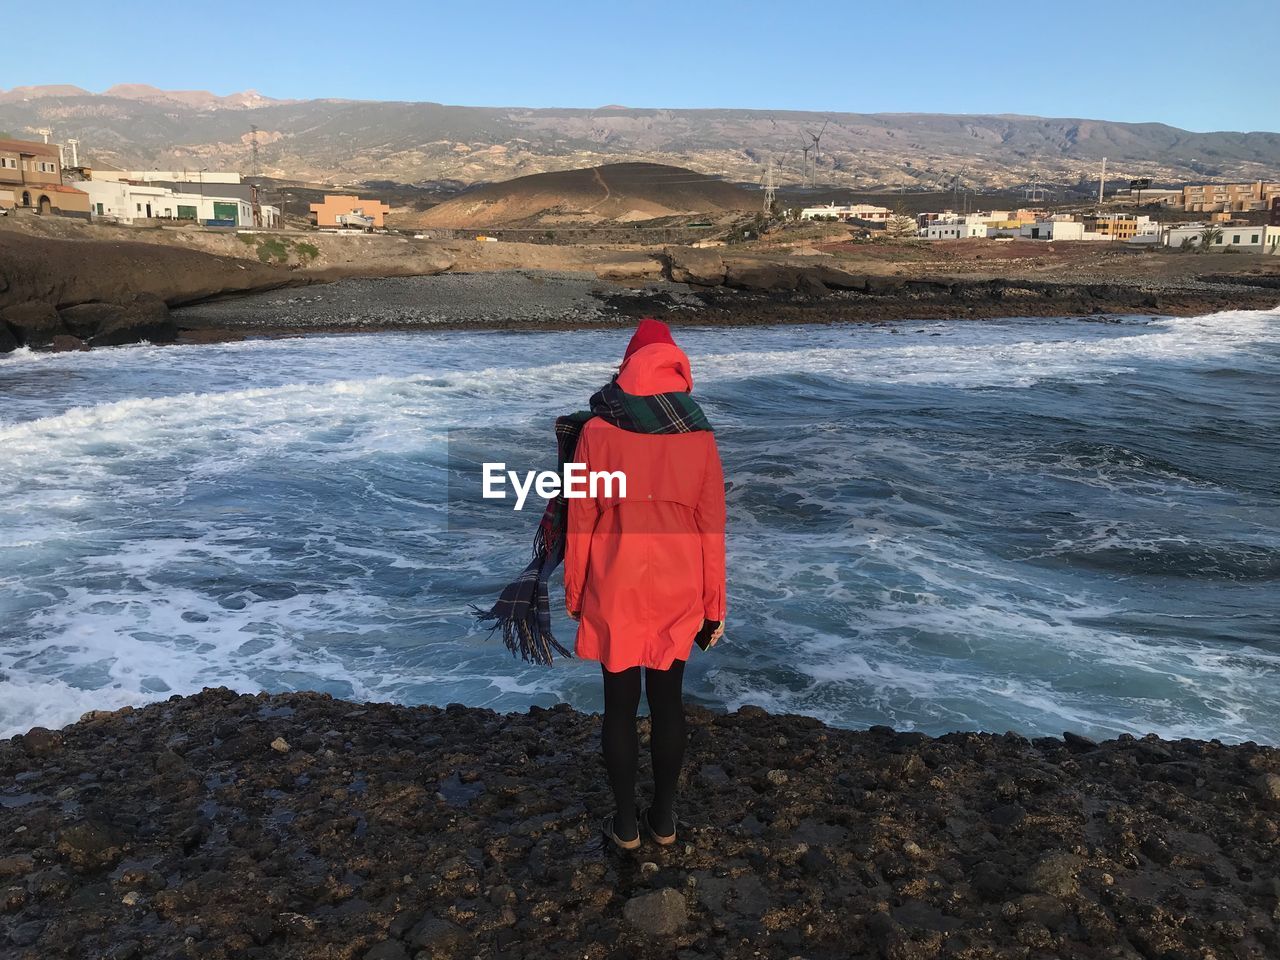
[278, 527]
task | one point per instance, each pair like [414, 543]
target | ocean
[1029, 525]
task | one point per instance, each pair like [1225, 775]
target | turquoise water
[1035, 525]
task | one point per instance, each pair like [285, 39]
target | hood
[657, 368]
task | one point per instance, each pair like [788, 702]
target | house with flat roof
[31, 179]
[847, 211]
[956, 227]
[221, 205]
[1235, 237]
[337, 210]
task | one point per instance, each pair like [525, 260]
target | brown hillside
[618, 192]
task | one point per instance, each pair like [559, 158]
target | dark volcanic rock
[177, 831]
[40, 741]
[837, 279]
[64, 343]
[657, 914]
[90, 845]
[86, 319]
[1055, 875]
[34, 324]
[1269, 787]
[1079, 744]
[438, 938]
[146, 317]
[8, 342]
[762, 275]
[387, 950]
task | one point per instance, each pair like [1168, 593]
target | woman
[645, 572]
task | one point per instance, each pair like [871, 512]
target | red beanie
[648, 331]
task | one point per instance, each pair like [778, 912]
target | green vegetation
[753, 229]
[278, 249]
[274, 248]
[1210, 236]
[900, 226]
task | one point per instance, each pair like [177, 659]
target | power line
[770, 190]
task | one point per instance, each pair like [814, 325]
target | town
[48, 179]
[1230, 217]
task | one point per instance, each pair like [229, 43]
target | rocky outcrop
[85, 319]
[699, 266]
[38, 325]
[144, 318]
[183, 829]
[769, 276]
[67, 272]
[709, 267]
[630, 269]
[34, 324]
[65, 343]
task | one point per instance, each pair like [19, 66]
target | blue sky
[1196, 65]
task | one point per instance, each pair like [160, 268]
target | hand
[716, 635]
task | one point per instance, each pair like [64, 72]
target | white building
[957, 228]
[1059, 229]
[1148, 231]
[1241, 239]
[126, 202]
[855, 211]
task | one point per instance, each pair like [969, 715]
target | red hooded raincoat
[643, 572]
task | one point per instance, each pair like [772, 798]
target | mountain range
[345, 142]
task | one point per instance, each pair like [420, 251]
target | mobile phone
[709, 627]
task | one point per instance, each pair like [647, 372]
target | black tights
[666, 743]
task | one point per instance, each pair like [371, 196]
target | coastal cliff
[225, 825]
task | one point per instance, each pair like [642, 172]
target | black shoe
[661, 840]
[626, 846]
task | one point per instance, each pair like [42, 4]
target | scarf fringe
[523, 637]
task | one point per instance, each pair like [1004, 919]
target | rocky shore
[224, 825]
[562, 300]
[69, 294]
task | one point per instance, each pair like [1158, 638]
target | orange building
[31, 178]
[1213, 197]
[1116, 226]
[343, 211]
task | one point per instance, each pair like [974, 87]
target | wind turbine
[817, 149]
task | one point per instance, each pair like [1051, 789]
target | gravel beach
[551, 300]
[300, 826]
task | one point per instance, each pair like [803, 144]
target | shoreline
[296, 825]
[595, 306]
[71, 294]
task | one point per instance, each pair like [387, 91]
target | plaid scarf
[523, 611]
